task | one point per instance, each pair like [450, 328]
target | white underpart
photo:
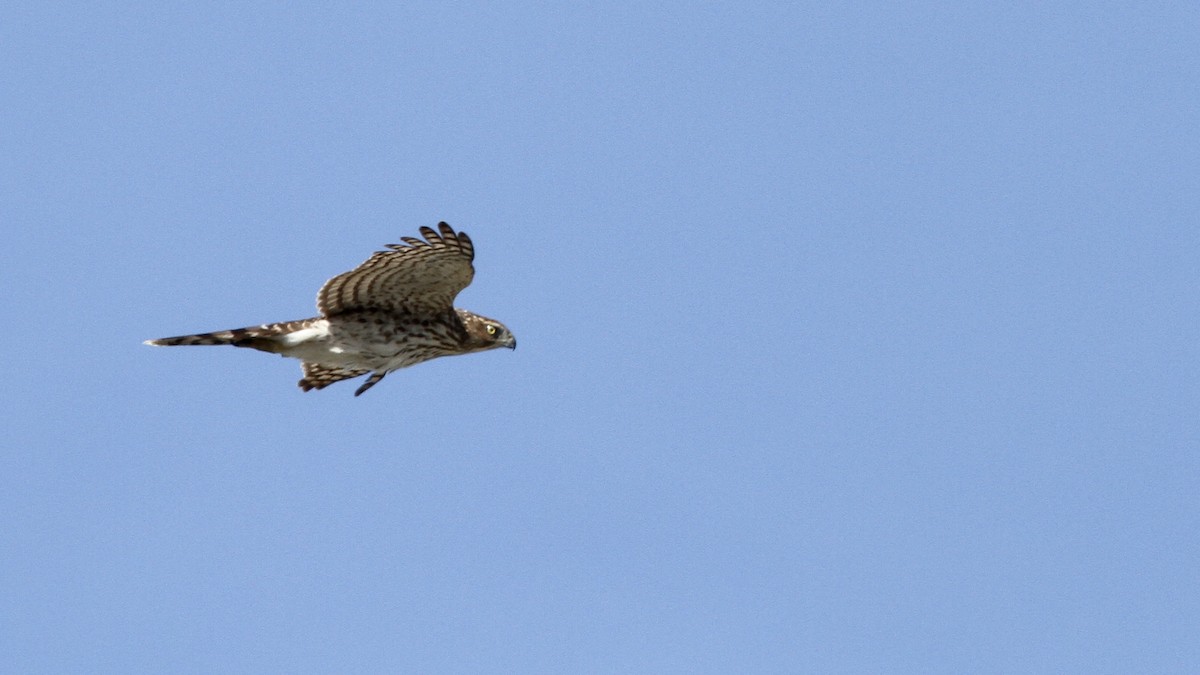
[316, 332]
[317, 344]
[343, 348]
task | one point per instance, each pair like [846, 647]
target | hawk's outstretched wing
[317, 376]
[416, 277]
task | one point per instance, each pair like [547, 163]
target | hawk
[393, 311]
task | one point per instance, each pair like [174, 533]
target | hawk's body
[391, 312]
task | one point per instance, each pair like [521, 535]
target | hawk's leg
[375, 377]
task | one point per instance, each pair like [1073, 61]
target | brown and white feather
[317, 376]
[416, 277]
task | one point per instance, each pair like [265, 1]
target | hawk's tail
[256, 337]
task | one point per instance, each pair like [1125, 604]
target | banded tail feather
[262, 337]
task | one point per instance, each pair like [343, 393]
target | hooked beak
[512, 342]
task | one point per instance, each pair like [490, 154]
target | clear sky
[854, 337]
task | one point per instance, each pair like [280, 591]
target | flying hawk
[393, 311]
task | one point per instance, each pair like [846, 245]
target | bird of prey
[393, 311]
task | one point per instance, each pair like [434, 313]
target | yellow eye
[491, 329]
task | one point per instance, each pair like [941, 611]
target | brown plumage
[392, 311]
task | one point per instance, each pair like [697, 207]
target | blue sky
[854, 337]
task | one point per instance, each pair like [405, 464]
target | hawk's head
[484, 333]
